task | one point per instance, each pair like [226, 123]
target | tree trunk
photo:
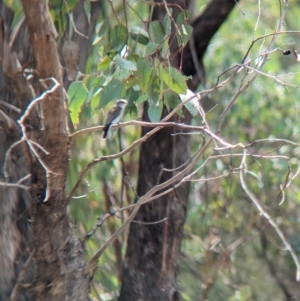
[150, 268]
[40, 253]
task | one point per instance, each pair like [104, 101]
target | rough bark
[150, 268]
[15, 226]
[58, 257]
[38, 243]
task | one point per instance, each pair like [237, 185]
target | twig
[11, 107]
[148, 197]
[101, 220]
[265, 57]
[3, 184]
[264, 213]
[141, 123]
[132, 146]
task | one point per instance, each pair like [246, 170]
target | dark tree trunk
[150, 268]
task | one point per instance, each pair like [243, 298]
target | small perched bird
[114, 115]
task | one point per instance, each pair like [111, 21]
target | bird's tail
[105, 131]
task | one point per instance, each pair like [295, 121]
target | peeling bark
[59, 262]
[39, 247]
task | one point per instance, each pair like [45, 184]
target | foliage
[224, 254]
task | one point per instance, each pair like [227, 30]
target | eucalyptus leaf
[154, 89]
[144, 72]
[184, 34]
[125, 64]
[141, 99]
[165, 51]
[156, 32]
[171, 99]
[167, 23]
[118, 38]
[139, 34]
[174, 80]
[155, 111]
[183, 17]
[112, 91]
[151, 48]
[77, 94]
[131, 96]
[104, 63]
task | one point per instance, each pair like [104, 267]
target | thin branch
[264, 60]
[14, 185]
[101, 220]
[9, 106]
[143, 200]
[264, 213]
[273, 140]
[140, 123]
[133, 145]
[270, 76]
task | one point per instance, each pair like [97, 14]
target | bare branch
[264, 213]
[140, 123]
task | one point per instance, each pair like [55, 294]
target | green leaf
[141, 99]
[151, 48]
[101, 32]
[156, 32]
[112, 91]
[139, 34]
[131, 95]
[155, 111]
[104, 64]
[96, 90]
[184, 34]
[165, 52]
[13, 4]
[118, 38]
[131, 82]
[77, 94]
[167, 23]
[144, 71]
[103, 27]
[170, 99]
[183, 17]
[87, 10]
[174, 80]
[125, 64]
[133, 112]
[122, 74]
[154, 89]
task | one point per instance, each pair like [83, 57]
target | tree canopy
[202, 174]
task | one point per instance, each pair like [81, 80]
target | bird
[114, 115]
